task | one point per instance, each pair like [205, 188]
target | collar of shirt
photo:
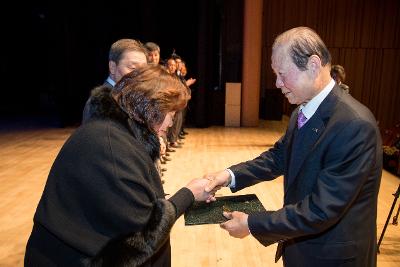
[110, 81]
[312, 105]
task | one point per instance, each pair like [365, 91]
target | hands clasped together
[204, 189]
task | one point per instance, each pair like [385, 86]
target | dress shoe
[166, 158]
[163, 169]
[183, 132]
[176, 145]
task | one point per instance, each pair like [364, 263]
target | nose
[279, 82]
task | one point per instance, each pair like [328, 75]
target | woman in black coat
[103, 203]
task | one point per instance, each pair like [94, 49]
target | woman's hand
[197, 186]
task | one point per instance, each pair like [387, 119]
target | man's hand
[237, 225]
[190, 82]
[197, 186]
[216, 181]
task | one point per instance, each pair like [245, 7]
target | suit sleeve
[267, 166]
[347, 165]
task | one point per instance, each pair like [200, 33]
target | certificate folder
[211, 213]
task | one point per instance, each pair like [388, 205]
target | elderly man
[331, 160]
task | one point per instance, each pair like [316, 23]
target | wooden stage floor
[26, 157]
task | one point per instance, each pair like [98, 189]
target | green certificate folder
[210, 213]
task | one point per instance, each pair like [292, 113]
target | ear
[314, 65]
[112, 66]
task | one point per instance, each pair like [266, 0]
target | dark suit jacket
[330, 200]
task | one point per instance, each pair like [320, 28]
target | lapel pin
[315, 130]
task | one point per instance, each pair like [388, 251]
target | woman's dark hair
[148, 93]
[338, 73]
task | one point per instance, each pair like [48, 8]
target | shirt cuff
[232, 184]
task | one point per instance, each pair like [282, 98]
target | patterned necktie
[301, 119]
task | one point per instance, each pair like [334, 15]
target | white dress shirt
[308, 110]
[110, 81]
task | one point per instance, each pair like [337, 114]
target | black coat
[103, 203]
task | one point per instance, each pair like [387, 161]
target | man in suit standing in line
[331, 159]
[124, 56]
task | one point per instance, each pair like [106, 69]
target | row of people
[176, 67]
[104, 204]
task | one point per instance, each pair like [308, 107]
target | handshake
[204, 189]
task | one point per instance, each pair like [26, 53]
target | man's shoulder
[351, 114]
[345, 110]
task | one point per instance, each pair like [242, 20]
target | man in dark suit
[331, 159]
[125, 55]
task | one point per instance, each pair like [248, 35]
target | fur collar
[137, 248]
[103, 106]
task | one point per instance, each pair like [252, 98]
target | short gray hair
[152, 47]
[302, 43]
